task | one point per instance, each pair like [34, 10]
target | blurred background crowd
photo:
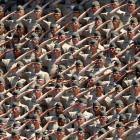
[69, 70]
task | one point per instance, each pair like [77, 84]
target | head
[19, 29]
[75, 38]
[53, 28]
[38, 91]
[80, 119]
[112, 49]
[38, 30]
[79, 65]
[97, 36]
[114, 4]
[99, 89]
[15, 135]
[40, 81]
[131, 6]
[37, 66]
[93, 46]
[20, 11]
[60, 133]
[130, 32]
[2, 28]
[99, 62]
[61, 36]
[96, 107]
[59, 108]
[76, 89]
[137, 103]
[36, 120]
[123, 118]
[16, 39]
[133, 22]
[91, 81]
[116, 74]
[119, 106]
[75, 25]
[1, 12]
[136, 87]
[95, 6]
[57, 14]
[103, 118]
[19, 85]
[57, 51]
[2, 85]
[120, 129]
[80, 134]
[38, 12]
[98, 21]
[76, 11]
[16, 110]
[116, 21]
[61, 120]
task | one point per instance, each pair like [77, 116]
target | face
[98, 22]
[99, 63]
[38, 53]
[38, 14]
[37, 67]
[57, 16]
[120, 131]
[57, 52]
[79, 67]
[81, 135]
[90, 83]
[35, 41]
[59, 110]
[99, 90]
[76, 14]
[112, 51]
[38, 31]
[96, 109]
[1, 14]
[118, 109]
[94, 9]
[20, 13]
[114, 5]
[36, 123]
[116, 76]
[75, 40]
[76, 91]
[60, 135]
[38, 93]
[137, 105]
[75, 26]
[17, 137]
[2, 29]
[93, 48]
[80, 121]
[116, 23]
[53, 30]
[131, 7]
[61, 38]
[17, 52]
[20, 31]
[16, 111]
[40, 82]
[136, 90]
[130, 34]
[2, 87]
[133, 25]
[61, 122]
[103, 120]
